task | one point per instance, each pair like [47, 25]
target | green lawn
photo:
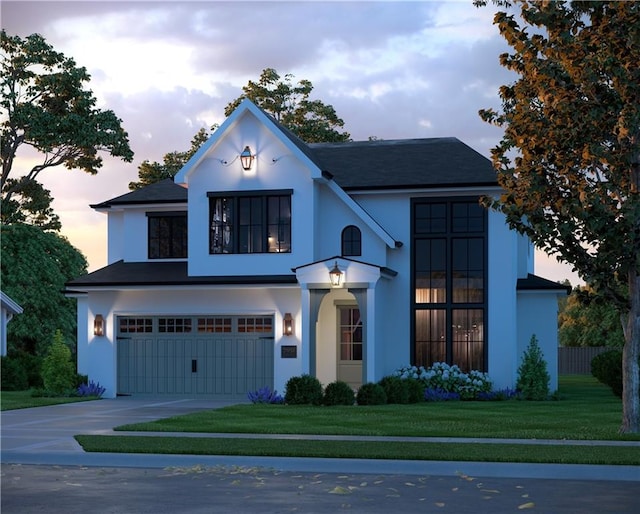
[11, 400]
[587, 410]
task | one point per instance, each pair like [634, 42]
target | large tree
[310, 120]
[569, 160]
[151, 172]
[45, 105]
[35, 266]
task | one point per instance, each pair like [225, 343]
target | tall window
[351, 241]
[167, 235]
[449, 282]
[350, 334]
[248, 222]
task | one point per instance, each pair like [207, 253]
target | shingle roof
[394, 164]
[534, 282]
[164, 191]
[146, 274]
[404, 163]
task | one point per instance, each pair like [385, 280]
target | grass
[531, 453]
[11, 400]
[587, 410]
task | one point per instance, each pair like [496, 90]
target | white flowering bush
[441, 376]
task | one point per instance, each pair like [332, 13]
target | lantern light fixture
[335, 275]
[287, 324]
[98, 325]
[246, 158]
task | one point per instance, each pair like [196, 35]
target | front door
[350, 346]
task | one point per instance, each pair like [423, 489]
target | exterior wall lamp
[287, 324]
[98, 325]
[335, 275]
[246, 158]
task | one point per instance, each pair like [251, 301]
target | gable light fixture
[98, 325]
[335, 275]
[246, 158]
[287, 324]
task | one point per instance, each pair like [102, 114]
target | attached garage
[218, 356]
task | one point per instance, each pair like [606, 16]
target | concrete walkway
[44, 436]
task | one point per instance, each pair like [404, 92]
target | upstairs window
[167, 235]
[351, 241]
[250, 222]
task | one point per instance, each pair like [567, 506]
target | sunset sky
[391, 69]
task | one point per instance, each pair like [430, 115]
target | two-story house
[267, 258]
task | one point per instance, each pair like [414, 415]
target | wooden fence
[577, 360]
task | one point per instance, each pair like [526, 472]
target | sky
[392, 70]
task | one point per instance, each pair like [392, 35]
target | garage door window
[214, 325]
[258, 324]
[174, 325]
[135, 325]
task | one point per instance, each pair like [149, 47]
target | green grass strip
[483, 452]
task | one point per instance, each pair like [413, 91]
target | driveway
[41, 461]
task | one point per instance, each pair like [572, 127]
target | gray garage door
[222, 356]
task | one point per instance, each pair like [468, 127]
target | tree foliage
[34, 269]
[151, 172]
[45, 106]
[58, 372]
[569, 160]
[588, 320]
[310, 120]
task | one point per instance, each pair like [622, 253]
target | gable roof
[164, 191]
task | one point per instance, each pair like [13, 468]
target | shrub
[338, 393]
[440, 395]
[58, 372]
[302, 390]
[499, 395]
[14, 376]
[533, 377]
[396, 389]
[91, 389]
[32, 365]
[607, 368]
[415, 389]
[371, 394]
[448, 378]
[265, 395]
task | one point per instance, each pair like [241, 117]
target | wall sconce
[335, 275]
[287, 324]
[246, 159]
[98, 325]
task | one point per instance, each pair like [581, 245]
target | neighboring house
[8, 307]
[221, 283]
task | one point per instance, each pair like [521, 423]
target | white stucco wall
[97, 355]
[538, 315]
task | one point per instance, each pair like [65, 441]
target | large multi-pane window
[250, 222]
[167, 235]
[449, 282]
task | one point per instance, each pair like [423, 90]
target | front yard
[586, 411]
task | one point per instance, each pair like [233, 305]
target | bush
[58, 372]
[303, 390]
[32, 365]
[91, 389]
[533, 377]
[338, 393]
[14, 376]
[607, 368]
[499, 395]
[448, 378]
[265, 395]
[371, 394]
[416, 390]
[396, 389]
